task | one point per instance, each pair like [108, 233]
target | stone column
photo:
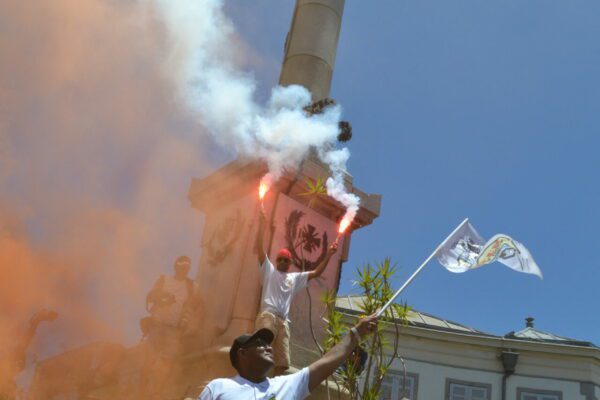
[311, 45]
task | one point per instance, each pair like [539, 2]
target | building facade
[443, 360]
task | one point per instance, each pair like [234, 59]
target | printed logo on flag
[460, 251]
[501, 247]
[508, 251]
[466, 251]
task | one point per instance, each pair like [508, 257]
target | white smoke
[336, 159]
[201, 63]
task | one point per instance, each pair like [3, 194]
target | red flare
[262, 190]
[264, 186]
[344, 224]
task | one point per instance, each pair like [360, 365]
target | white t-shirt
[279, 288]
[285, 387]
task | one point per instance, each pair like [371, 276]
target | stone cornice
[240, 177]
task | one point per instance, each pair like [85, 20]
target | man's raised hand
[332, 248]
[367, 325]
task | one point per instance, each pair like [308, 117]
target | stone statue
[173, 304]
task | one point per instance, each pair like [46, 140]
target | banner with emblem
[307, 234]
[466, 250]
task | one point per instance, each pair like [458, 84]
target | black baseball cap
[240, 341]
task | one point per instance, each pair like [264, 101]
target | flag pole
[382, 310]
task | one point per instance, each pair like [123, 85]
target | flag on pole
[466, 250]
[460, 251]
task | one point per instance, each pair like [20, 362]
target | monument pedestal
[228, 275]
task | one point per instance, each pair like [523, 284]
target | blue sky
[486, 110]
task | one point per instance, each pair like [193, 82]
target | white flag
[460, 251]
[504, 249]
[466, 250]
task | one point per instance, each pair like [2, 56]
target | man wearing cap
[252, 357]
[279, 286]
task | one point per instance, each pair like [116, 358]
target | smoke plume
[203, 67]
[96, 153]
[95, 164]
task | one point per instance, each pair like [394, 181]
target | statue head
[182, 266]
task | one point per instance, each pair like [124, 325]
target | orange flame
[262, 190]
[264, 186]
[344, 224]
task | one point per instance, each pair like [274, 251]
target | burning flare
[344, 224]
[265, 184]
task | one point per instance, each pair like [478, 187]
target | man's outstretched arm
[315, 273]
[260, 248]
[326, 365]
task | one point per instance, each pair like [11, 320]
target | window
[457, 390]
[392, 386]
[534, 394]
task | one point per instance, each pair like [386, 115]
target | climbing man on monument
[252, 357]
[279, 286]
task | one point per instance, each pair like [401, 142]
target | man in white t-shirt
[252, 357]
[279, 286]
